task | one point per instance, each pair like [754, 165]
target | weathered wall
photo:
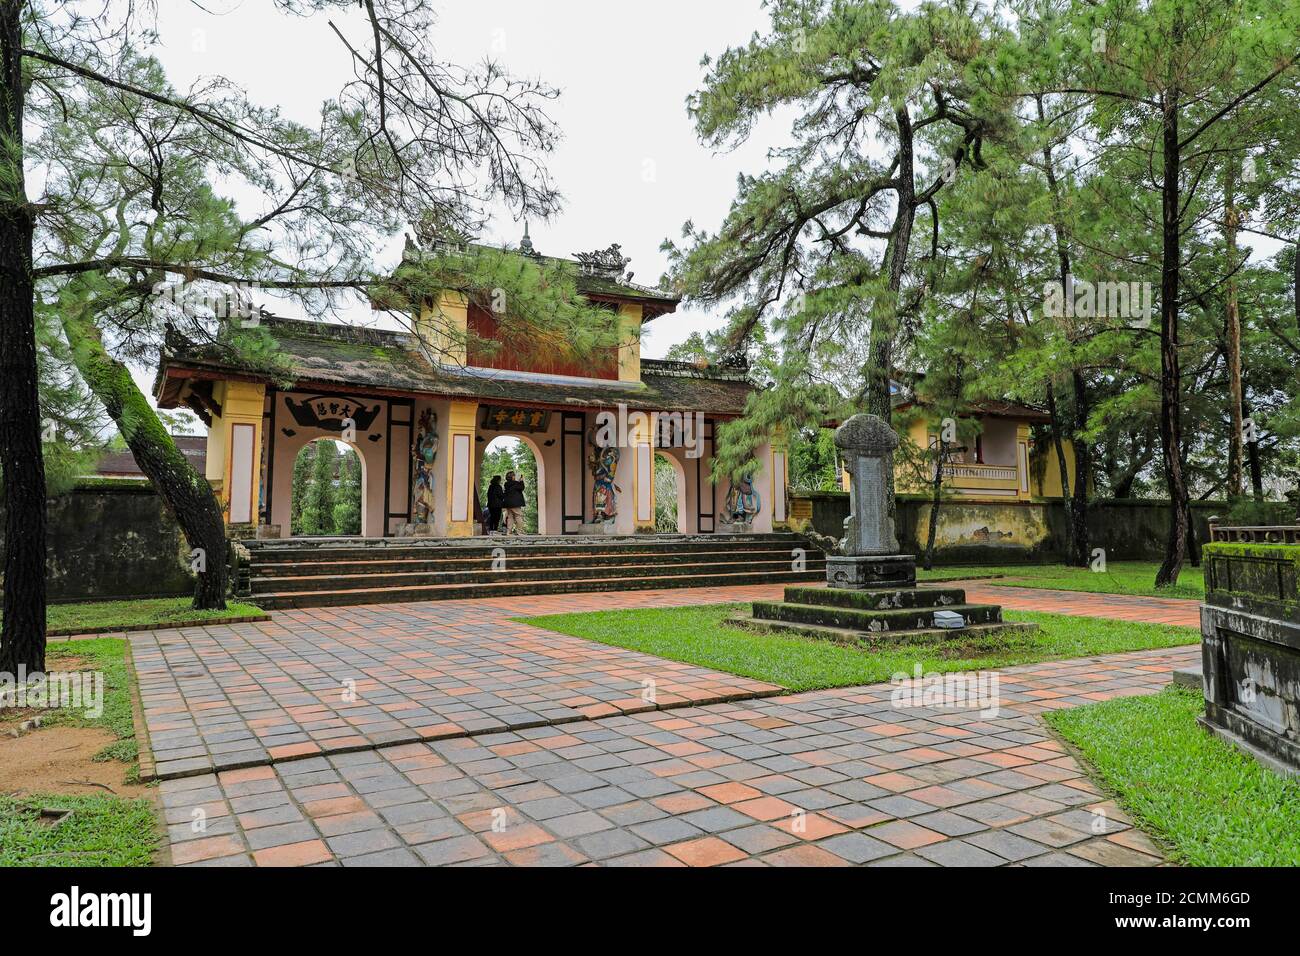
[114, 542]
[1020, 532]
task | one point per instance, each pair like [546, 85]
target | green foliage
[1247, 511]
[701, 636]
[318, 509]
[665, 496]
[326, 490]
[1206, 801]
[814, 463]
[347, 506]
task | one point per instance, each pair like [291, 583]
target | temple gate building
[420, 426]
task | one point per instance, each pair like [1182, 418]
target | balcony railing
[957, 471]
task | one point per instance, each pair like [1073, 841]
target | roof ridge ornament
[526, 244]
[607, 263]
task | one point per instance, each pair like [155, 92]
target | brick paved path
[825, 778]
[330, 680]
[567, 765]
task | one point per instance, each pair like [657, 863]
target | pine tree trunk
[1234, 344]
[1171, 432]
[1082, 473]
[185, 492]
[22, 642]
[1076, 503]
[1067, 499]
[879, 402]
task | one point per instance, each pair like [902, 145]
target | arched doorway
[328, 490]
[519, 454]
[670, 494]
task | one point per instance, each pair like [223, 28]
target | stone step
[515, 560]
[848, 635]
[344, 596]
[485, 575]
[870, 622]
[884, 599]
[307, 549]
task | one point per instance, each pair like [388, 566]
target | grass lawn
[108, 655]
[154, 612]
[697, 635]
[1120, 577]
[1209, 803]
[100, 831]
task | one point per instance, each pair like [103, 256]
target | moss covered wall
[113, 541]
[1025, 532]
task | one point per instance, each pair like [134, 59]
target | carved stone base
[874, 571]
[415, 530]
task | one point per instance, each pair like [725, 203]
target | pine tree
[347, 506]
[301, 483]
[318, 509]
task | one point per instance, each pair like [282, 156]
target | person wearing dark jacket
[513, 502]
[495, 494]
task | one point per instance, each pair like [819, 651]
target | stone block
[1250, 649]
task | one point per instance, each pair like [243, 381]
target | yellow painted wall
[629, 343]
[443, 326]
[241, 403]
[461, 421]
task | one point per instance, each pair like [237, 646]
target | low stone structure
[1250, 628]
[871, 588]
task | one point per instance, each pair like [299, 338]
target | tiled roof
[321, 354]
[122, 463]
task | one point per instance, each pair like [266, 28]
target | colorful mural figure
[604, 493]
[743, 502]
[425, 453]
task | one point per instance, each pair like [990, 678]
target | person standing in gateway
[495, 496]
[512, 500]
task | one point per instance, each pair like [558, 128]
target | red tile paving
[473, 740]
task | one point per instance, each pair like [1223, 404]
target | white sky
[629, 165]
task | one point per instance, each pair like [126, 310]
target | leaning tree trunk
[1171, 431]
[185, 492]
[22, 641]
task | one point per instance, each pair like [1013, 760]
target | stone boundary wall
[118, 541]
[1011, 532]
[114, 541]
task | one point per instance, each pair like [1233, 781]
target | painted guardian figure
[425, 454]
[604, 492]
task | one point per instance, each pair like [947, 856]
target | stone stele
[870, 558]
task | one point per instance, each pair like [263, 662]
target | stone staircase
[336, 571]
[885, 614]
